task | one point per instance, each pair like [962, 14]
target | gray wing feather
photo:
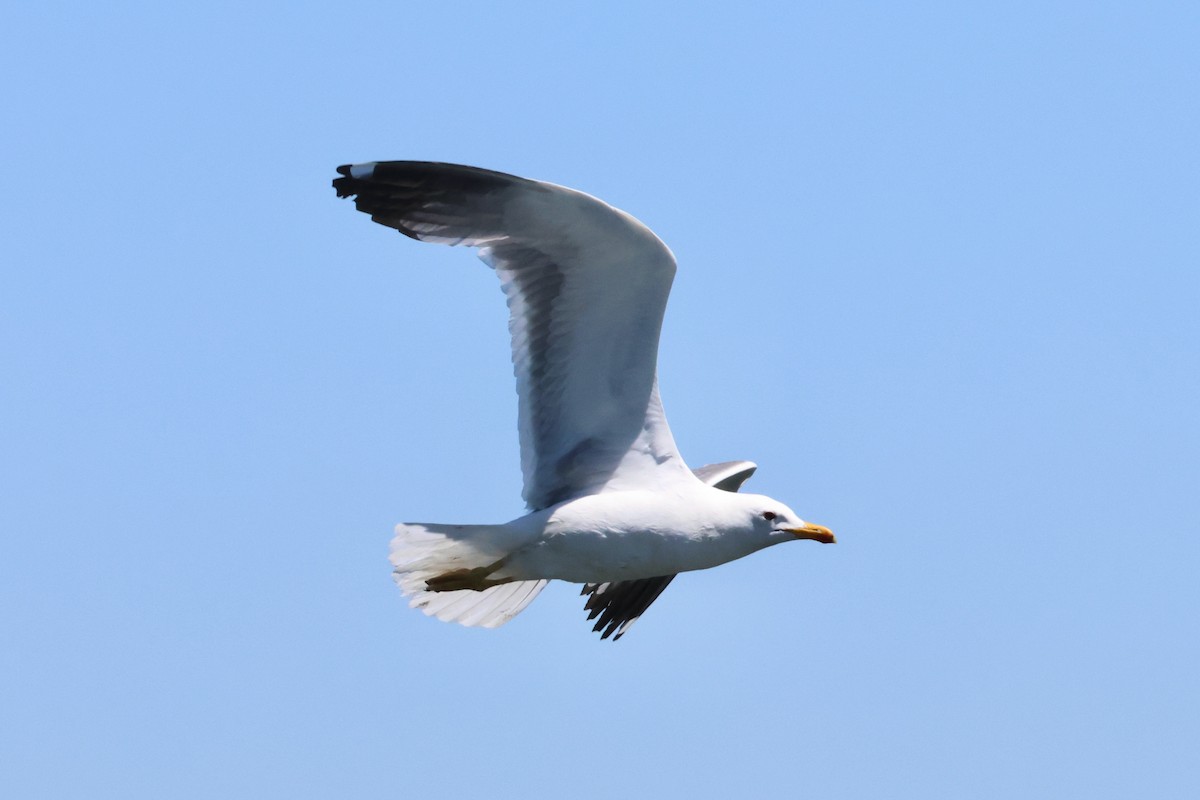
[728, 475]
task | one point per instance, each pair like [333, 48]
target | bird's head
[780, 523]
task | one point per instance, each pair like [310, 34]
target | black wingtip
[619, 604]
[345, 185]
[349, 185]
[429, 201]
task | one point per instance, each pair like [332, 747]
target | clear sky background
[938, 276]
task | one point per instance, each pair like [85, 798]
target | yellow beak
[818, 533]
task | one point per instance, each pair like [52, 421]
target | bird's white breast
[616, 536]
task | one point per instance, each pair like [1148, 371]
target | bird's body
[628, 535]
[613, 505]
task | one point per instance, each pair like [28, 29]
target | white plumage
[613, 506]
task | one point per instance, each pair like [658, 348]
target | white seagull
[611, 503]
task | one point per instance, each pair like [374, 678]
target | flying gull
[611, 503]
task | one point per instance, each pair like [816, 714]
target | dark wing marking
[620, 604]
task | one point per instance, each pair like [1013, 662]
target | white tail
[426, 552]
[490, 608]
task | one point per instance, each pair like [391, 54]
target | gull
[611, 503]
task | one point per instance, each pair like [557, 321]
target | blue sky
[937, 276]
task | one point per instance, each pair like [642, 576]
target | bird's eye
[768, 515]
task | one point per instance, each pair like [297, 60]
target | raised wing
[586, 287]
[621, 603]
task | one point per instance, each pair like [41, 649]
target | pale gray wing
[728, 475]
[586, 287]
[620, 604]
